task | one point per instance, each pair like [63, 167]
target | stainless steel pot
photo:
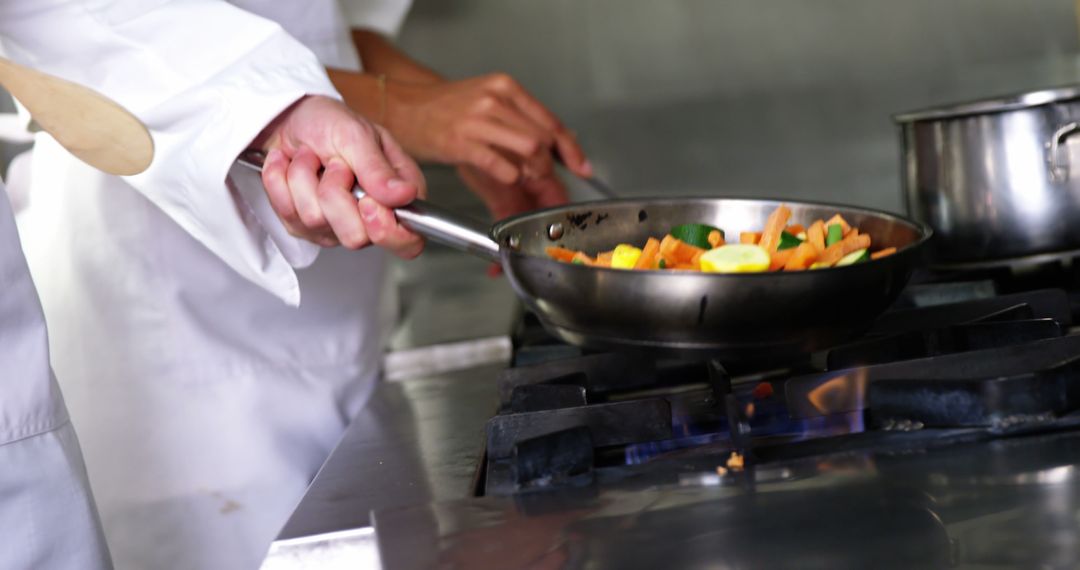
[994, 179]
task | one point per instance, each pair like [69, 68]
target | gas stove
[948, 435]
[961, 357]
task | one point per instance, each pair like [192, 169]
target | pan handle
[1059, 172]
[431, 221]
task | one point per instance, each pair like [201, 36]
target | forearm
[388, 104]
[380, 57]
[361, 92]
[386, 69]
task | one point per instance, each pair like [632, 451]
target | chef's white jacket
[47, 515]
[209, 360]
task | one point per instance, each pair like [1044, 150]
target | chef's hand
[314, 152]
[489, 123]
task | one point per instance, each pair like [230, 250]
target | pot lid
[993, 105]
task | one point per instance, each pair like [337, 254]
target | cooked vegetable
[582, 259]
[750, 238]
[834, 252]
[838, 219]
[816, 235]
[625, 256]
[716, 238]
[857, 256]
[735, 258]
[804, 255]
[834, 235]
[696, 260]
[780, 247]
[560, 253]
[677, 251]
[695, 234]
[647, 259]
[788, 241]
[780, 259]
[770, 236]
[883, 253]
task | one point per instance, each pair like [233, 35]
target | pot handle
[431, 221]
[1059, 172]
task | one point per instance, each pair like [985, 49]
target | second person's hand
[489, 123]
[315, 151]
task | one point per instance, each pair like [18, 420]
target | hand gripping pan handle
[431, 221]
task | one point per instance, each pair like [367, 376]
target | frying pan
[748, 316]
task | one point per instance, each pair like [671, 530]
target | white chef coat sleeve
[206, 78]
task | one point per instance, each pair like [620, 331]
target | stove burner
[951, 362]
[946, 340]
[850, 390]
[999, 402]
[562, 457]
[1043, 304]
[599, 373]
[610, 424]
[548, 396]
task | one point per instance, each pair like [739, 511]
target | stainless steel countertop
[1005, 503]
[417, 441]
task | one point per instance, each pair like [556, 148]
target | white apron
[205, 398]
[47, 515]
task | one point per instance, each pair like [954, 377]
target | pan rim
[925, 231]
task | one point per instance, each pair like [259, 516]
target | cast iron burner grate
[949, 359]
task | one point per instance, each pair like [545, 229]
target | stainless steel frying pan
[726, 316]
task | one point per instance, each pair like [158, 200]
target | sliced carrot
[687, 253]
[604, 259]
[560, 253]
[770, 236]
[685, 267]
[883, 253]
[668, 246]
[795, 229]
[696, 259]
[816, 236]
[838, 219]
[678, 250]
[750, 238]
[780, 259]
[584, 259]
[804, 256]
[648, 254]
[834, 252]
[716, 239]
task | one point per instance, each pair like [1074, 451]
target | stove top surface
[947, 435]
[1011, 502]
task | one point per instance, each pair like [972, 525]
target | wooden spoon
[89, 125]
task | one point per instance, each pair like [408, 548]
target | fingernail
[586, 167]
[396, 184]
[368, 213]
